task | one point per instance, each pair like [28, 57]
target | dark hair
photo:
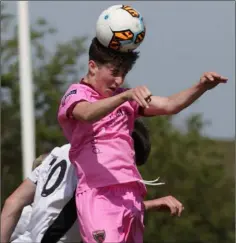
[142, 144]
[122, 62]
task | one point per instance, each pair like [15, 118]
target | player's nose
[119, 80]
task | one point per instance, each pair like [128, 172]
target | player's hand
[212, 79]
[168, 203]
[140, 94]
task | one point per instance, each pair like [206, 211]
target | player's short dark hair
[122, 62]
[142, 144]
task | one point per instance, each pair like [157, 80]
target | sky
[183, 40]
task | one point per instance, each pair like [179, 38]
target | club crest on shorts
[99, 236]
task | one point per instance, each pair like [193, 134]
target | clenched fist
[140, 94]
[212, 79]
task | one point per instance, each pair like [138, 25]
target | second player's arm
[168, 203]
[11, 212]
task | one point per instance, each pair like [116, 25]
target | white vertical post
[26, 89]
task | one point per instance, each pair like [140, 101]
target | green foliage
[53, 71]
[197, 170]
[195, 173]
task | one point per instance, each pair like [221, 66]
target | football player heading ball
[97, 117]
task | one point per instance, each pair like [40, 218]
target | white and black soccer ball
[121, 28]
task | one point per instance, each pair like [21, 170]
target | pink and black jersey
[102, 151]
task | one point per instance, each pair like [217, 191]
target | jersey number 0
[62, 165]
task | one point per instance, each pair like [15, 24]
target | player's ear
[93, 67]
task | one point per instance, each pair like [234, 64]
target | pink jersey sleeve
[73, 95]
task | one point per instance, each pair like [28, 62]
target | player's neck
[90, 81]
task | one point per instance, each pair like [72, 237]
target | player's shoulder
[72, 90]
[54, 153]
[42, 159]
[78, 87]
[39, 160]
[57, 151]
[65, 147]
[75, 90]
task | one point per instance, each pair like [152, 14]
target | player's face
[107, 81]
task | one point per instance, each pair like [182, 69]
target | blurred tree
[194, 171]
[53, 71]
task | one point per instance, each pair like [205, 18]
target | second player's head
[107, 68]
[142, 144]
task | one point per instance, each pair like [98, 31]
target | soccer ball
[121, 28]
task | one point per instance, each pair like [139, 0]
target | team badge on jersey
[99, 236]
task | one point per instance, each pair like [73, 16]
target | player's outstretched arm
[168, 203]
[90, 112]
[176, 103]
[13, 206]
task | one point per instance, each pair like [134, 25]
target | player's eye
[115, 72]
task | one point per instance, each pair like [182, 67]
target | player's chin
[108, 93]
